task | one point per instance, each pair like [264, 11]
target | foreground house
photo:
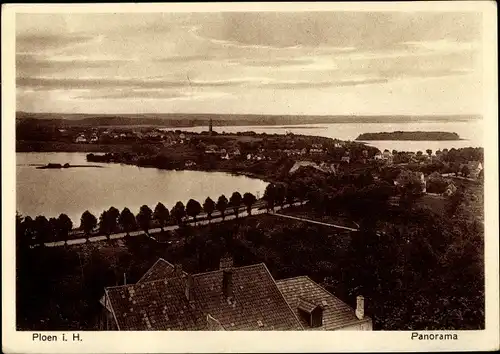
[231, 298]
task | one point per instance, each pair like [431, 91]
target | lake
[51, 192]
[470, 131]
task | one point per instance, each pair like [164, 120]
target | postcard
[250, 177]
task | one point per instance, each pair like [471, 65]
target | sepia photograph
[250, 170]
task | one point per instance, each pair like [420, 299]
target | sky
[306, 63]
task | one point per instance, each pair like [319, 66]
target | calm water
[74, 190]
[470, 131]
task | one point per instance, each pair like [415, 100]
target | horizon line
[260, 114]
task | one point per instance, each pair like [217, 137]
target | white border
[136, 342]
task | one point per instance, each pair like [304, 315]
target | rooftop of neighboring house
[231, 298]
[304, 296]
[162, 270]
[475, 165]
[235, 298]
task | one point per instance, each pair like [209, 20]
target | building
[81, 139]
[316, 308]
[346, 159]
[450, 189]
[230, 298]
[475, 168]
[406, 177]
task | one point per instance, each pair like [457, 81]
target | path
[241, 214]
[315, 222]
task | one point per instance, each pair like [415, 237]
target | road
[242, 214]
[316, 222]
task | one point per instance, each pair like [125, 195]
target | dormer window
[311, 312]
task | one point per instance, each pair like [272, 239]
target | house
[94, 138]
[450, 189]
[189, 163]
[211, 150]
[406, 176]
[475, 168]
[316, 151]
[346, 159]
[80, 139]
[317, 309]
[230, 298]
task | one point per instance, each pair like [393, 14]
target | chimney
[360, 307]
[189, 290]
[178, 270]
[227, 283]
[226, 263]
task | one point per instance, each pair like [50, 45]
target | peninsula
[418, 136]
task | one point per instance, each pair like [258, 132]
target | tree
[144, 217]
[209, 207]
[235, 201]
[28, 231]
[291, 193]
[221, 205]
[178, 212]
[249, 199]
[280, 193]
[453, 202]
[410, 192]
[270, 196]
[465, 171]
[429, 152]
[42, 229]
[104, 224]
[113, 215]
[161, 214]
[419, 153]
[127, 220]
[64, 226]
[54, 230]
[193, 208]
[88, 222]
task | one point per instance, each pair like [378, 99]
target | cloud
[183, 59]
[272, 30]
[279, 62]
[52, 43]
[324, 84]
[47, 83]
[131, 94]
[156, 94]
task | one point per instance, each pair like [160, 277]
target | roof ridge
[298, 276]
[220, 270]
[145, 282]
[283, 296]
[329, 293]
[111, 306]
[154, 264]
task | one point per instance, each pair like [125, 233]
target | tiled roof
[305, 305]
[256, 298]
[155, 305]
[160, 270]
[257, 303]
[336, 313]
